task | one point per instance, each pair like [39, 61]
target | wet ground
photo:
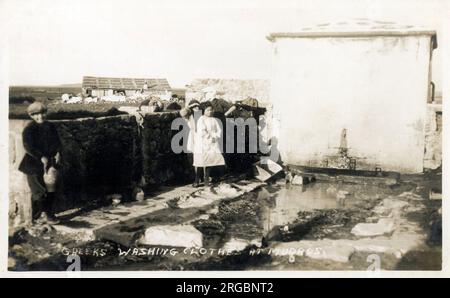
[248, 232]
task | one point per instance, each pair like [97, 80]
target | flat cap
[36, 107]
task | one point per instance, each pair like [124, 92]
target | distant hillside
[75, 85]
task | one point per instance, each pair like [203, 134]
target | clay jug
[50, 177]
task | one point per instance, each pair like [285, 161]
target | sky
[58, 42]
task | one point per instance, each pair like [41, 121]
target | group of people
[206, 120]
[156, 104]
[204, 140]
[42, 144]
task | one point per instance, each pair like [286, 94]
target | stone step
[124, 224]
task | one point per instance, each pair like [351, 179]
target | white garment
[191, 137]
[207, 147]
[65, 97]
[74, 99]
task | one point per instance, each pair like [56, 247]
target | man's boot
[36, 210]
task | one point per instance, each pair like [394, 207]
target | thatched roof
[124, 83]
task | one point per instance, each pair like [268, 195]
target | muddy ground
[251, 225]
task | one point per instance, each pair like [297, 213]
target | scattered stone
[176, 236]
[325, 249]
[410, 196]
[391, 207]
[140, 196]
[235, 244]
[435, 195]
[337, 253]
[213, 211]
[193, 201]
[372, 219]
[204, 217]
[225, 190]
[116, 199]
[288, 177]
[209, 227]
[80, 234]
[300, 180]
[331, 190]
[342, 194]
[384, 226]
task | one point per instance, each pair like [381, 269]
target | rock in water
[383, 226]
[235, 244]
[176, 236]
[140, 196]
[299, 180]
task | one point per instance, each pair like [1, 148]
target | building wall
[374, 87]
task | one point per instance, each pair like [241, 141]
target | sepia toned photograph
[224, 135]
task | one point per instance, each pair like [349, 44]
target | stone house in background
[100, 86]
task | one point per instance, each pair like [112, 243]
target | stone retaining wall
[103, 156]
[433, 137]
[99, 157]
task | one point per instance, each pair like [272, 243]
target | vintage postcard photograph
[234, 136]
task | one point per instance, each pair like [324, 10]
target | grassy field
[51, 93]
[21, 96]
[41, 93]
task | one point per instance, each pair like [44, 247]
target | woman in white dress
[188, 115]
[207, 143]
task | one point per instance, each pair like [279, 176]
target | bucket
[50, 177]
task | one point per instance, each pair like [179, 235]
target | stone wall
[433, 137]
[160, 164]
[104, 156]
[101, 156]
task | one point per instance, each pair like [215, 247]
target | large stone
[435, 195]
[236, 244]
[391, 207]
[300, 180]
[337, 253]
[383, 226]
[175, 236]
[325, 249]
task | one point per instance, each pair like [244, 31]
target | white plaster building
[370, 78]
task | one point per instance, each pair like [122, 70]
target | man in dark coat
[42, 146]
